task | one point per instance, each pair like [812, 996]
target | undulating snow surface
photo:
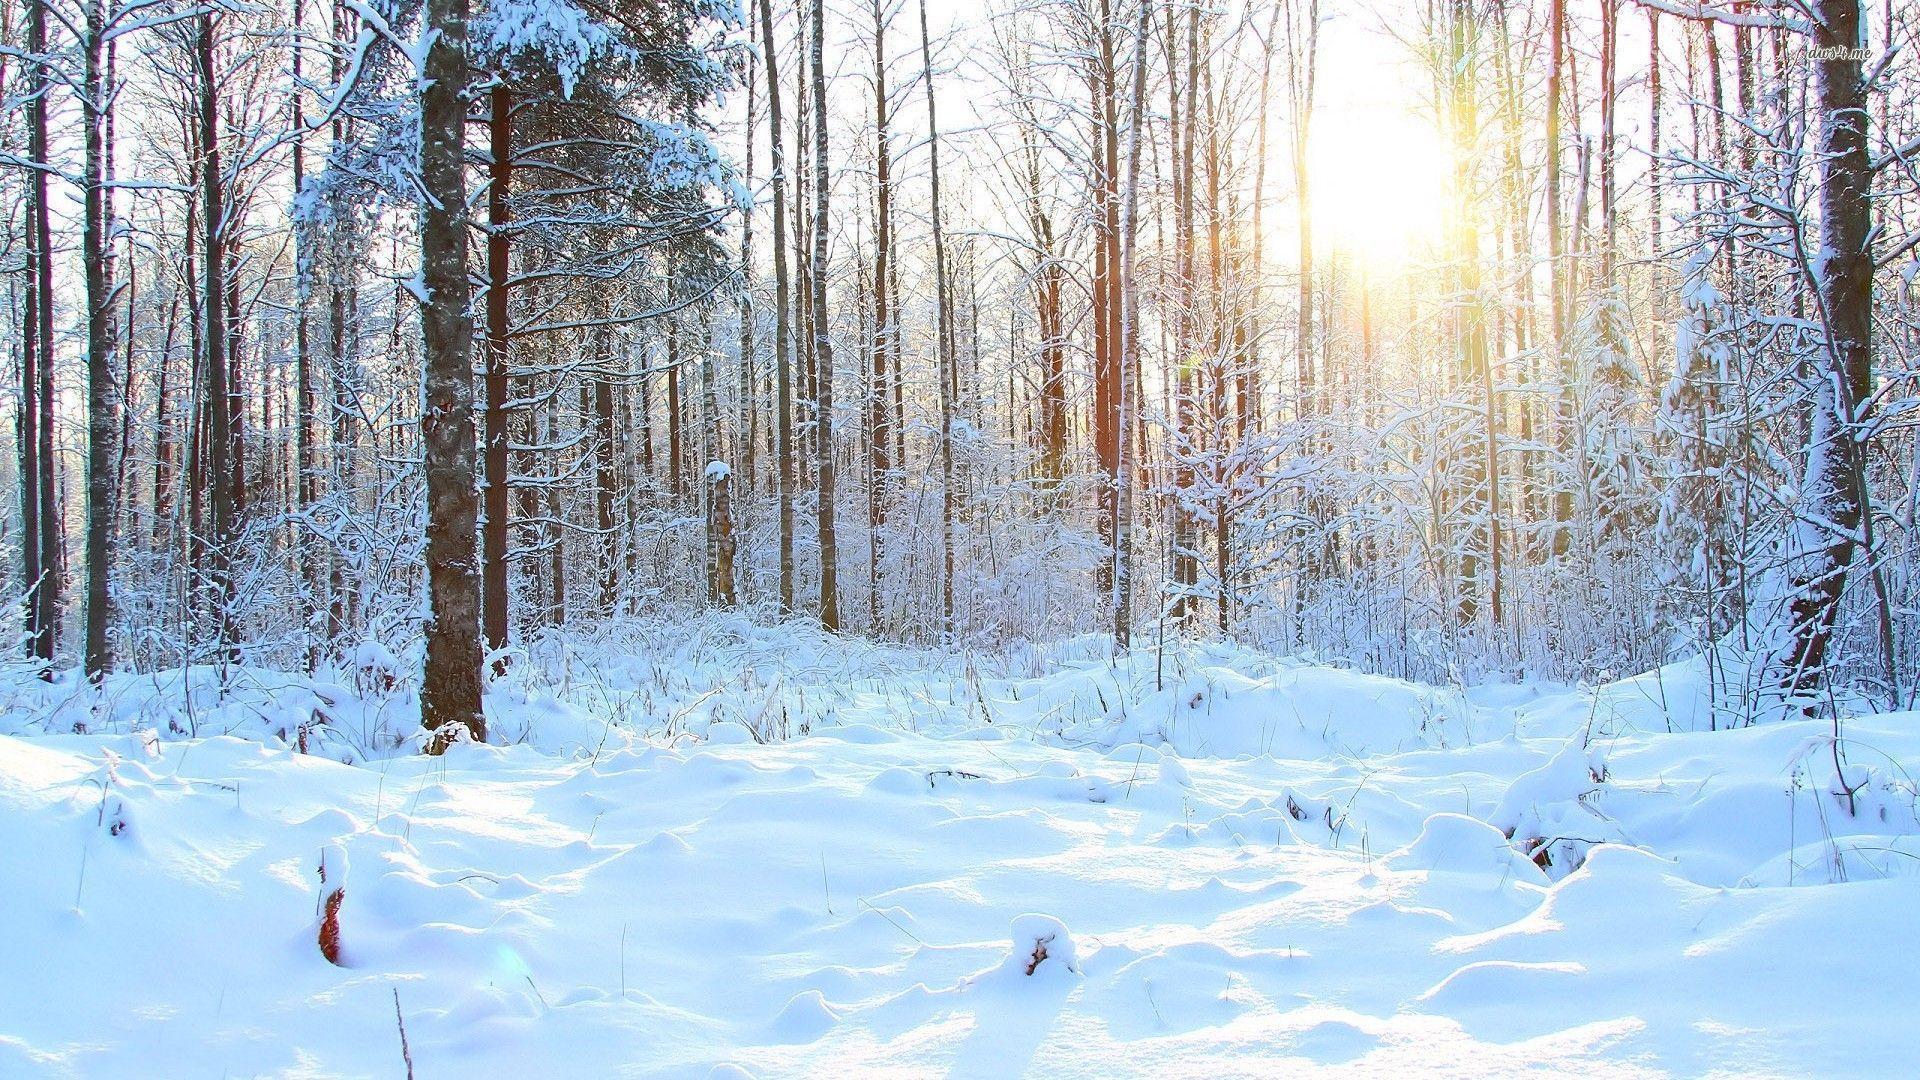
[730, 852]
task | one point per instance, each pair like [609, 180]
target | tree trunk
[944, 345]
[783, 367]
[1556, 287]
[1108, 372]
[720, 502]
[450, 691]
[822, 338]
[879, 432]
[341, 350]
[1609, 100]
[223, 457]
[1128, 296]
[1181, 132]
[1655, 188]
[676, 458]
[744, 426]
[494, 439]
[715, 475]
[605, 484]
[306, 478]
[1842, 270]
[44, 532]
[102, 400]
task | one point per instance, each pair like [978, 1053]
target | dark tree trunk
[102, 399]
[822, 336]
[495, 508]
[222, 440]
[450, 691]
[44, 530]
[1843, 281]
[782, 362]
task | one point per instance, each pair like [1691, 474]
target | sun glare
[1379, 183]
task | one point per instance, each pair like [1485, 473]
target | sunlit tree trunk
[944, 345]
[1831, 509]
[1129, 299]
[822, 336]
[783, 396]
[102, 395]
[879, 417]
[222, 438]
[450, 690]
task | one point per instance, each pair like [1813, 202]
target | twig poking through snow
[406, 1053]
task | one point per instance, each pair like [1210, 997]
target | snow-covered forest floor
[728, 850]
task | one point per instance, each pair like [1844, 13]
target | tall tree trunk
[745, 425]
[193, 476]
[1184, 447]
[102, 400]
[494, 439]
[1480, 507]
[450, 691]
[1609, 102]
[1127, 399]
[879, 462]
[1556, 285]
[1223, 311]
[556, 528]
[44, 531]
[715, 476]
[676, 460]
[1108, 370]
[306, 478]
[1831, 499]
[783, 365]
[223, 456]
[1302, 76]
[236, 399]
[1655, 184]
[1248, 399]
[606, 480]
[340, 449]
[822, 338]
[806, 406]
[29, 446]
[944, 344]
[165, 436]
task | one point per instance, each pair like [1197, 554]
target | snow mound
[1302, 713]
[1040, 945]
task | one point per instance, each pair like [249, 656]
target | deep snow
[734, 851]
